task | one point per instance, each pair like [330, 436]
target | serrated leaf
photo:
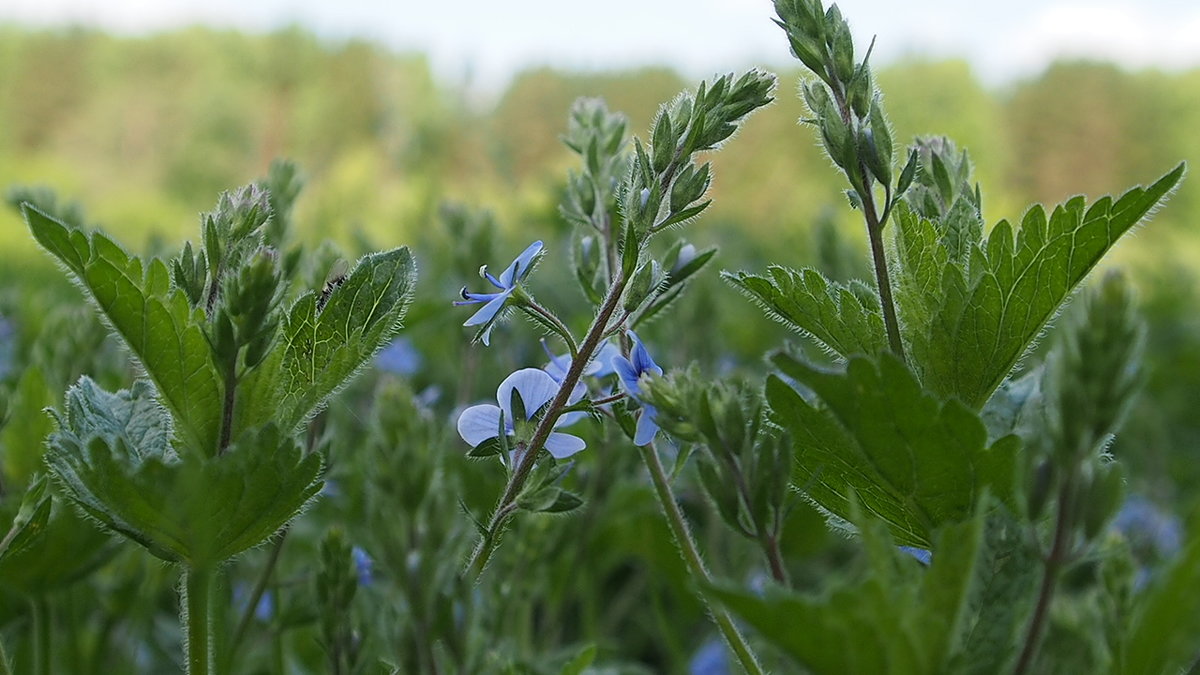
[909, 617]
[913, 460]
[155, 321]
[319, 351]
[970, 315]
[1006, 579]
[111, 457]
[837, 318]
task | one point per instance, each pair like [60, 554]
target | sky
[482, 43]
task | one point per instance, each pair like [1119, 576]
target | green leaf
[580, 662]
[837, 318]
[23, 435]
[913, 460]
[320, 351]
[111, 456]
[155, 320]
[1006, 580]
[1164, 632]
[30, 522]
[910, 618]
[973, 308]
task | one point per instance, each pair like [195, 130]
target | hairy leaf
[320, 349]
[911, 459]
[111, 457]
[839, 319]
[910, 619]
[971, 307]
[156, 321]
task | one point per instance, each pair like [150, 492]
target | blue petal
[642, 362]
[470, 298]
[520, 267]
[488, 311]
[535, 386]
[627, 374]
[561, 446]
[923, 556]
[646, 426]
[601, 365]
[479, 423]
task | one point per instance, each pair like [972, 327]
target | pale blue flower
[630, 370]
[7, 346]
[507, 283]
[710, 659]
[399, 357]
[364, 566]
[482, 422]
[923, 556]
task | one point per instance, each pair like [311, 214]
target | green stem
[882, 278]
[260, 587]
[197, 596]
[42, 627]
[508, 500]
[691, 558]
[1056, 559]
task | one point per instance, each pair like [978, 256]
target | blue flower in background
[923, 556]
[507, 283]
[364, 565]
[263, 611]
[6, 346]
[482, 422]
[400, 357]
[710, 659]
[1153, 533]
[630, 370]
[1148, 526]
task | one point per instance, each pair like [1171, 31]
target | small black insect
[336, 277]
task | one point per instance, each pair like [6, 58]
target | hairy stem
[875, 225]
[770, 547]
[1054, 562]
[882, 279]
[197, 596]
[228, 404]
[691, 557]
[507, 504]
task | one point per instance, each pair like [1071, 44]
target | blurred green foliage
[146, 131]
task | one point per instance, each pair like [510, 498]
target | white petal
[536, 389]
[479, 423]
[562, 446]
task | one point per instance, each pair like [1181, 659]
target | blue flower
[710, 659]
[400, 357]
[599, 366]
[6, 346]
[923, 556]
[482, 422]
[630, 370]
[364, 565]
[507, 283]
